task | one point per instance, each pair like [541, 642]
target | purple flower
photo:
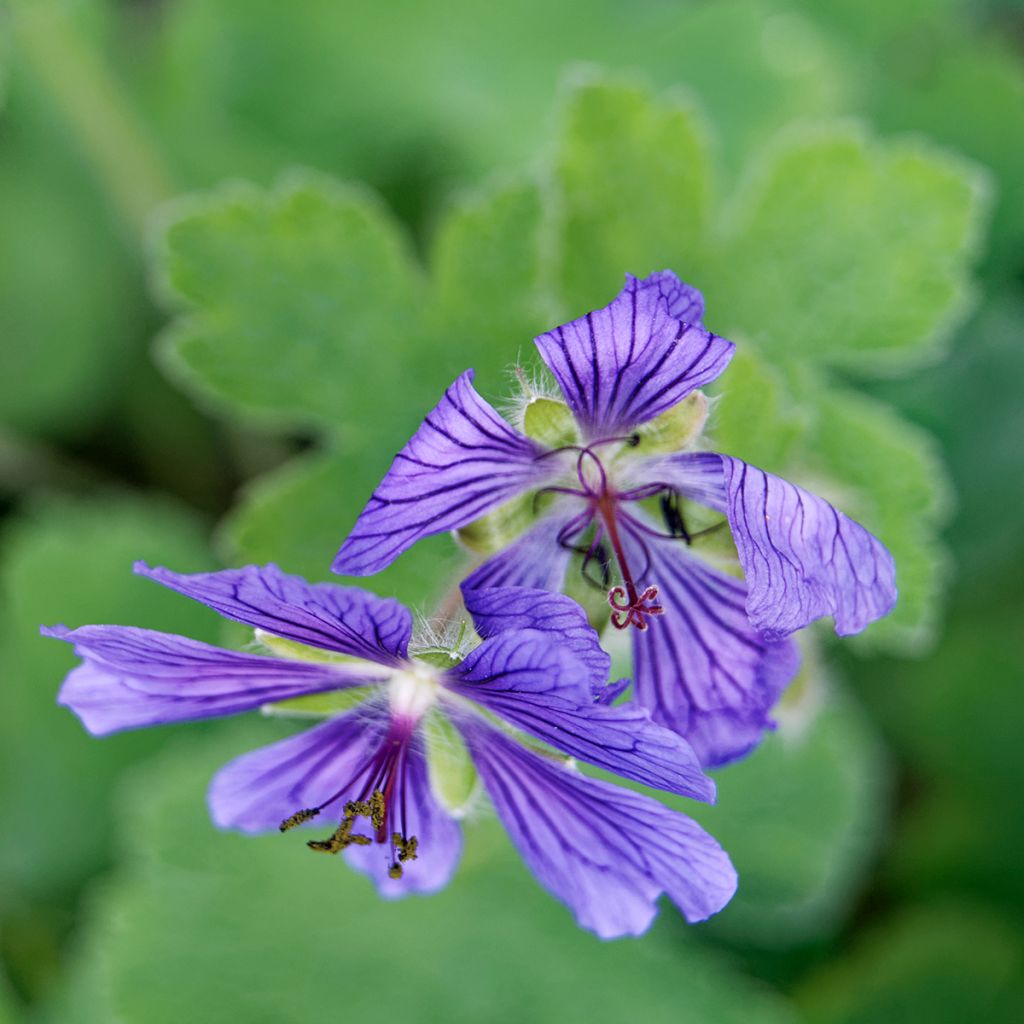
[405, 724]
[710, 651]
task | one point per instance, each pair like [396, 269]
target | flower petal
[259, 790]
[802, 558]
[497, 610]
[464, 460]
[343, 619]
[622, 365]
[137, 677]
[700, 668]
[684, 301]
[535, 559]
[605, 851]
[519, 677]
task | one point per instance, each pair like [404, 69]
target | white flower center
[413, 691]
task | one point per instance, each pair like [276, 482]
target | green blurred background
[244, 244]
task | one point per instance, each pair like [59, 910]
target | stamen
[383, 780]
[298, 818]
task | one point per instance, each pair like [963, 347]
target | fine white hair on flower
[436, 635]
[528, 384]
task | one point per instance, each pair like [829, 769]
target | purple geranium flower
[710, 651]
[377, 769]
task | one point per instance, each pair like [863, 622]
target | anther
[298, 818]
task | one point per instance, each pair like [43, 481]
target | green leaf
[848, 252]
[754, 416]
[967, 72]
[962, 732]
[889, 476]
[71, 562]
[259, 929]
[944, 964]
[70, 308]
[801, 818]
[489, 299]
[299, 302]
[634, 182]
[756, 67]
[299, 514]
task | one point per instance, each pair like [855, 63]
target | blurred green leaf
[489, 299]
[299, 514]
[949, 841]
[891, 479]
[956, 719]
[299, 302]
[972, 402]
[69, 301]
[71, 562]
[634, 181]
[958, 714]
[220, 925]
[944, 964]
[754, 417]
[801, 818]
[847, 252]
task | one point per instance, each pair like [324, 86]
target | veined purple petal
[463, 461]
[695, 475]
[622, 365]
[684, 301]
[605, 851]
[500, 609]
[331, 762]
[534, 560]
[528, 660]
[136, 677]
[802, 558]
[518, 679]
[700, 668]
[347, 620]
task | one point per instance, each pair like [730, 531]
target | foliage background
[243, 246]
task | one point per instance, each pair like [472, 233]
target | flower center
[631, 605]
[413, 691]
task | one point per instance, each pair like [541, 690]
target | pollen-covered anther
[373, 810]
[405, 850]
[299, 818]
[632, 609]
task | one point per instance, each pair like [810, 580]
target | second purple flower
[613, 485]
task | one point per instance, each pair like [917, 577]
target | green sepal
[453, 776]
[439, 657]
[295, 651]
[319, 705]
[498, 529]
[549, 421]
[675, 428]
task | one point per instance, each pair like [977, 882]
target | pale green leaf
[71, 563]
[754, 417]
[634, 189]
[888, 475]
[218, 925]
[849, 252]
[298, 303]
[489, 299]
[801, 818]
[298, 516]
